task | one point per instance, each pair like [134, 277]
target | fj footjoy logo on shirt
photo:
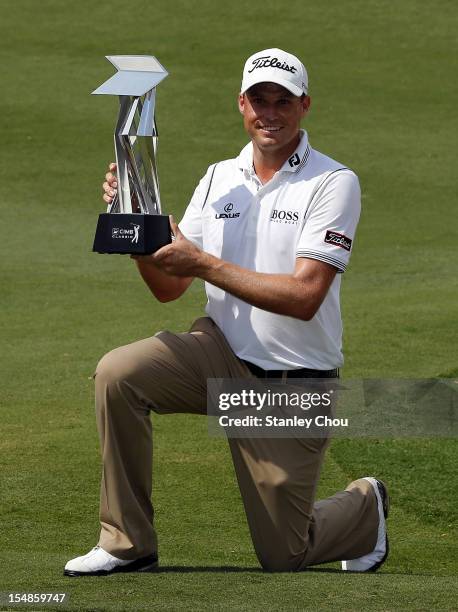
[228, 214]
[284, 216]
[295, 160]
[126, 234]
[338, 239]
[271, 62]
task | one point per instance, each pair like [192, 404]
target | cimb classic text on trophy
[133, 222]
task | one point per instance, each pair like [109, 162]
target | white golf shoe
[373, 560]
[99, 562]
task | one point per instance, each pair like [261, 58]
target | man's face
[272, 116]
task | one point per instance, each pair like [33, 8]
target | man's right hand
[164, 286]
[110, 185]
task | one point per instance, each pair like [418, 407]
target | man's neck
[266, 163]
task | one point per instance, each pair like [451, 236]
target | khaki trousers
[277, 477]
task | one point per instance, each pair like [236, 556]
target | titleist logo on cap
[271, 62]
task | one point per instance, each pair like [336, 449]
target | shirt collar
[294, 163]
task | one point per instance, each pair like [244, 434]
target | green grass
[384, 103]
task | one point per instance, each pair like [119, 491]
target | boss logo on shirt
[284, 216]
[228, 214]
[338, 239]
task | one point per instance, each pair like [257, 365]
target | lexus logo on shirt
[228, 214]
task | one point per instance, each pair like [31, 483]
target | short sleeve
[191, 223]
[331, 220]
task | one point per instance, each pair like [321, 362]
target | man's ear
[306, 102]
[241, 103]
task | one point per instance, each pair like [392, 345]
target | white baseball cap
[275, 66]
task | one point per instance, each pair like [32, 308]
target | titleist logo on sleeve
[338, 239]
[271, 62]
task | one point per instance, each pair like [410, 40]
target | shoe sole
[145, 564]
[384, 495]
[385, 500]
[386, 509]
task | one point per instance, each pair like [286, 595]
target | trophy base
[134, 233]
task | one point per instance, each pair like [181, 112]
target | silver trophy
[133, 222]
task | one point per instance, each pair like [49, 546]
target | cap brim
[296, 91]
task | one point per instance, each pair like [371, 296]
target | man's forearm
[279, 293]
[164, 287]
[297, 295]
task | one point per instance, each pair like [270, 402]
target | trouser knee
[116, 381]
[278, 546]
[278, 562]
[109, 372]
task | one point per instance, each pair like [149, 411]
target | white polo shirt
[310, 208]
